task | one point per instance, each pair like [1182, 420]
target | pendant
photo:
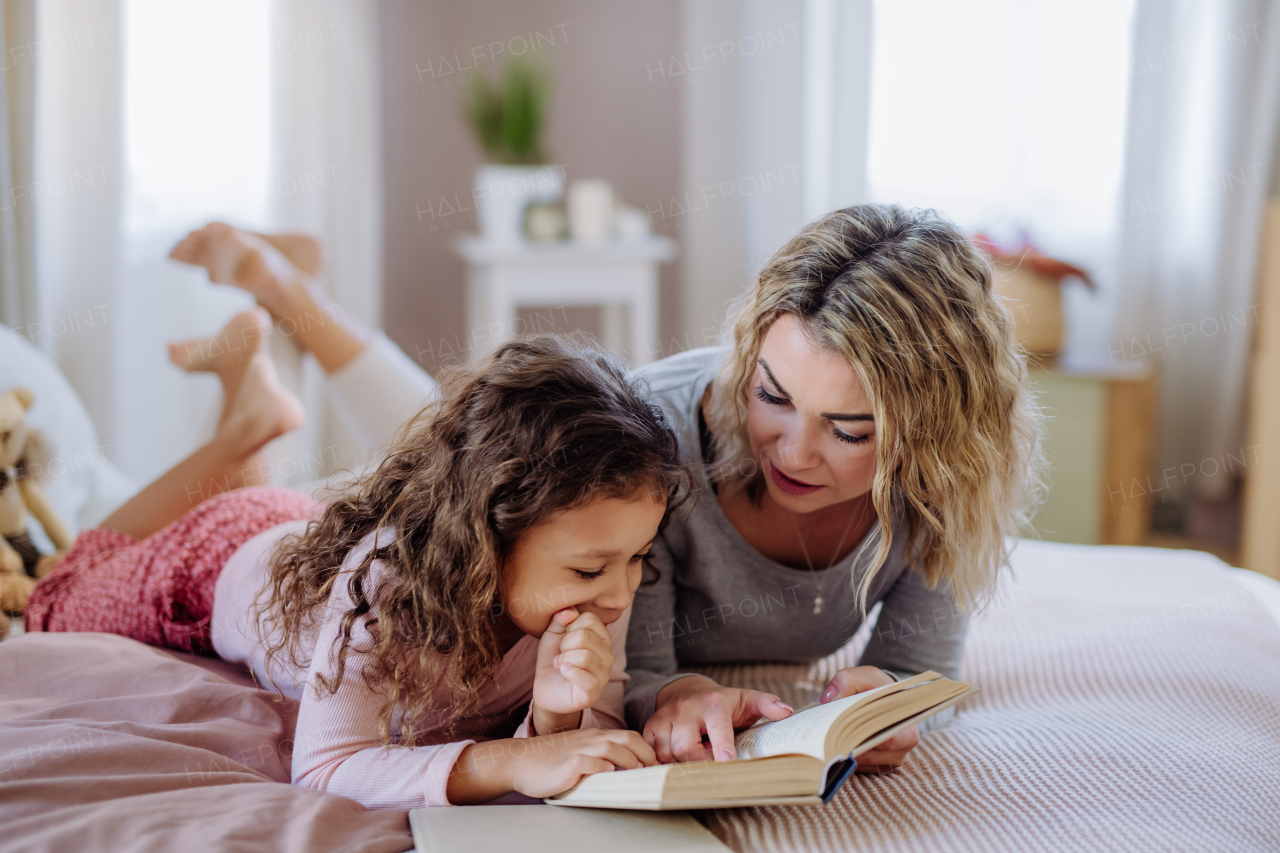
[817, 604]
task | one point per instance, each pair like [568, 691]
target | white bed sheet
[1266, 590]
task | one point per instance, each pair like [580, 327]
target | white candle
[590, 210]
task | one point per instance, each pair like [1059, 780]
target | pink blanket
[110, 745]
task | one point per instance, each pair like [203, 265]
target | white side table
[504, 278]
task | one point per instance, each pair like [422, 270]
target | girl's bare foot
[259, 410]
[228, 353]
[244, 260]
[263, 409]
[258, 264]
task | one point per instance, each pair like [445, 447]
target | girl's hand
[575, 655]
[693, 706]
[892, 752]
[542, 766]
[555, 763]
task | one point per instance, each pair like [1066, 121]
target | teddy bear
[20, 562]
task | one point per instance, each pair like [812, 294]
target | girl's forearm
[546, 723]
[483, 772]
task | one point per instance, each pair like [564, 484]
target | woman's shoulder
[678, 381]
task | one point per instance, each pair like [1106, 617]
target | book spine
[837, 776]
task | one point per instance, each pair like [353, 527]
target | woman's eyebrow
[831, 416]
[772, 378]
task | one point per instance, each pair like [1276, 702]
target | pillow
[82, 484]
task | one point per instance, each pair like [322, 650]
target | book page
[803, 732]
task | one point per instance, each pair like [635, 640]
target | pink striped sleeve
[337, 747]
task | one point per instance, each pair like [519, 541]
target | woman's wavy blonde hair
[907, 299]
[542, 424]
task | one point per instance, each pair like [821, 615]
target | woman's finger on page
[764, 705]
[853, 680]
[720, 733]
[686, 741]
[657, 733]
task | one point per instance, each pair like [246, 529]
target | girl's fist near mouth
[575, 655]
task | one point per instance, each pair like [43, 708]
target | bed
[1130, 701]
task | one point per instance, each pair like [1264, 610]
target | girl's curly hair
[541, 425]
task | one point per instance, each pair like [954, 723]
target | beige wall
[608, 120]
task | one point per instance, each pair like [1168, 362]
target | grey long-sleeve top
[719, 601]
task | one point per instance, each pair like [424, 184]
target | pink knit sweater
[336, 746]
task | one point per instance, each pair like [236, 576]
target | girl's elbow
[316, 777]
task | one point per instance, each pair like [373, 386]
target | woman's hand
[575, 655]
[692, 706]
[892, 752]
[542, 766]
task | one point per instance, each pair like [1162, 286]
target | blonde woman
[866, 438]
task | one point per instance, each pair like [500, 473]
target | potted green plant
[508, 115]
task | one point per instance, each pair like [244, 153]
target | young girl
[488, 562]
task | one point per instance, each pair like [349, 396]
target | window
[197, 112]
[1006, 116]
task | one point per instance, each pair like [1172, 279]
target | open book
[802, 760]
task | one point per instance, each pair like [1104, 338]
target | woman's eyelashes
[851, 439]
[765, 397]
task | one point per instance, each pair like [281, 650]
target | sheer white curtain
[775, 99]
[19, 297]
[167, 116]
[1009, 117]
[77, 167]
[326, 179]
[1202, 136]
[197, 133]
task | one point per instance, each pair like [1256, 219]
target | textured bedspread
[1130, 701]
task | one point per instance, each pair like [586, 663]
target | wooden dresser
[1099, 433]
[1261, 542]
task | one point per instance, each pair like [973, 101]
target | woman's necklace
[817, 585]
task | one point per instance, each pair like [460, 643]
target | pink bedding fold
[107, 744]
